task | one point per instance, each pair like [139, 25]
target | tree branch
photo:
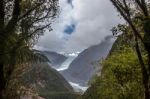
[143, 7]
[2, 14]
[13, 21]
[22, 38]
[29, 11]
[127, 19]
[41, 18]
[35, 31]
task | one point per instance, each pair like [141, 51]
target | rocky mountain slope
[47, 82]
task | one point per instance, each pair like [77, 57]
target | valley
[79, 69]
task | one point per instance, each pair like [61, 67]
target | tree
[21, 24]
[121, 76]
[133, 11]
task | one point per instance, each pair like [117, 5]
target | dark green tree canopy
[21, 24]
[23, 21]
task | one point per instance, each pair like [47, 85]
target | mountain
[47, 82]
[86, 64]
[55, 59]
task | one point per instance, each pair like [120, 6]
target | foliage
[39, 80]
[21, 24]
[121, 76]
[59, 95]
[133, 12]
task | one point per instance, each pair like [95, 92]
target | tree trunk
[145, 76]
[147, 47]
[146, 39]
[2, 81]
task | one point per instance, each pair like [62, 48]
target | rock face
[47, 82]
[55, 58]
[87, 63]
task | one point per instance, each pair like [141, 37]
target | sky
[80, 24]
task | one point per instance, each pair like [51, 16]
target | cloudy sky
[81, 24]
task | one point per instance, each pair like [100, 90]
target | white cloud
[54, 40]
[94, 20]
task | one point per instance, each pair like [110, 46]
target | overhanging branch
[13, 21]
[2, 14]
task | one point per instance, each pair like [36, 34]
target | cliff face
[86, 64]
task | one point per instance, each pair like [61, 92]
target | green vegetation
[21, 24]
[59, 95]
[126, 70]
[121, 76]
[136, 14]
[41, 80]
[46, 79]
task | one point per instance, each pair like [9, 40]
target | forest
[29, 73]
